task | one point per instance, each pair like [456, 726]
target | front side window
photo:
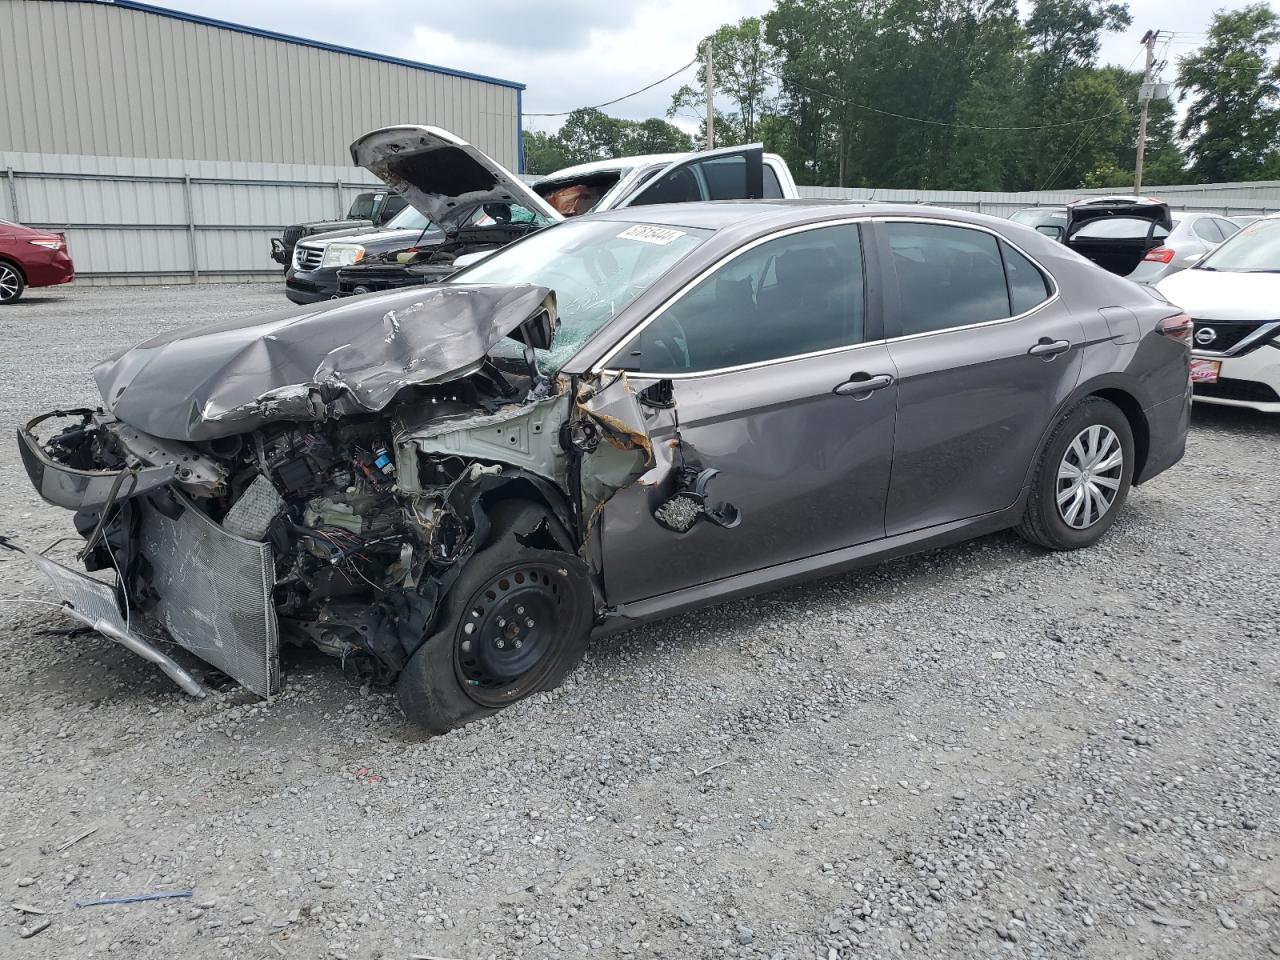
[794, 295]
[947, 276]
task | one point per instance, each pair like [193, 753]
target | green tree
[1232, 122]
[655, 135]
[743, 65]
[543, 152]
[588, 134]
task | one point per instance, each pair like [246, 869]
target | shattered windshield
[595, 267]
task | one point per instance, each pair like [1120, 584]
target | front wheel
[1082, 479]
[517, 621]
[11, 283]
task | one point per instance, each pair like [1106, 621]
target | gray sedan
[1193, 235]
[618, 418]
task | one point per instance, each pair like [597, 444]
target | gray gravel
[981, 751]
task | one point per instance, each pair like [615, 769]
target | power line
[944, 123]
[627, 96]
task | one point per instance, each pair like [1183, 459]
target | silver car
[618, 418]
[1192, 237]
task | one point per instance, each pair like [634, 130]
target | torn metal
[324, 476]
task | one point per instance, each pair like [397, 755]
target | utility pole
[1144, 99]
[711, 100]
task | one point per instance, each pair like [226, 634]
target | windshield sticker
[647, 234]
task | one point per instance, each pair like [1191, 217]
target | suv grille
[307, 257]
[1226, 335]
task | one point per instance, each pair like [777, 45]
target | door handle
[1048, 349]
[862, 385]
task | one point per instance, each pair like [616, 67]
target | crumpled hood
[343, 357]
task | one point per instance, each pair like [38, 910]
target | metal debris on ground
[136, 898]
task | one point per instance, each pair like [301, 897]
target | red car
[31, 258]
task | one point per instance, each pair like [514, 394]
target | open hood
[1081, 212]
[341, 358]
[443, 176]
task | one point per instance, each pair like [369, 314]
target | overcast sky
[573, 53]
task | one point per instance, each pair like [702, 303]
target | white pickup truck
[464, 205]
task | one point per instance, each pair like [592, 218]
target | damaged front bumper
[208, 588]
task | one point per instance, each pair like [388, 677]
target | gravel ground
[981, 751]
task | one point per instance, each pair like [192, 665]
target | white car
[1233, 295]
[665, 178]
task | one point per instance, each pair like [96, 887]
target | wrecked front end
[237, 506]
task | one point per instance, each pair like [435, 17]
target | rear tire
[12, 283]
[516, 622]
[1082, 479]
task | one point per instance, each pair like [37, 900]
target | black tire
[12, 283]
[1043, 523]
[456, 677]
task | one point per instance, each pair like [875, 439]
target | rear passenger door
[781, 382]
[986, 355]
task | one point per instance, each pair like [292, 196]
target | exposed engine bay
[338, 511]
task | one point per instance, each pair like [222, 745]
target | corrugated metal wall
[164, 221]
[100, 79]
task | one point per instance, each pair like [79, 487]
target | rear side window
[797, 294]
[772, 188]
[1226, 227]
[1206, 229]
[947, 276]
[1027, 285]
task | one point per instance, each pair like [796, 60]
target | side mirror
[538, 331]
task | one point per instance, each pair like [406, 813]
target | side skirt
[628, 615]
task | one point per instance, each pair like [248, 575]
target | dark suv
[368, 210]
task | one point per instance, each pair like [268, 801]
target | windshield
[1119, 228]
[362, 206]
[408, 219]
[1255, 249]
[1035, 217]
[595, 267]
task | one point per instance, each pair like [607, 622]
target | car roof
[617, 163]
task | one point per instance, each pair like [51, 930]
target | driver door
[782, 384]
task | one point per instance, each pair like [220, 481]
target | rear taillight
[1178, 327]
[55, 244]
[1159, 255]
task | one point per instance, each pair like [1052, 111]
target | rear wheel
[517, 621]
[11, 283]
[1082, 479]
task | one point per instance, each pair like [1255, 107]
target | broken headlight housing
[342, 255]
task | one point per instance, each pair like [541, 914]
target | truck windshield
[362, 206]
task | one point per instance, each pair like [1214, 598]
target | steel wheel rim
[8, 283]
[1089, 476]
[511, 632]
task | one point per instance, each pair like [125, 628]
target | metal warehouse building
[124, 123]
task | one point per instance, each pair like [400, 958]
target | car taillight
[56, 243]
[1178, 327]
[1159, 255]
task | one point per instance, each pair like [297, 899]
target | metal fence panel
[135, 220]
